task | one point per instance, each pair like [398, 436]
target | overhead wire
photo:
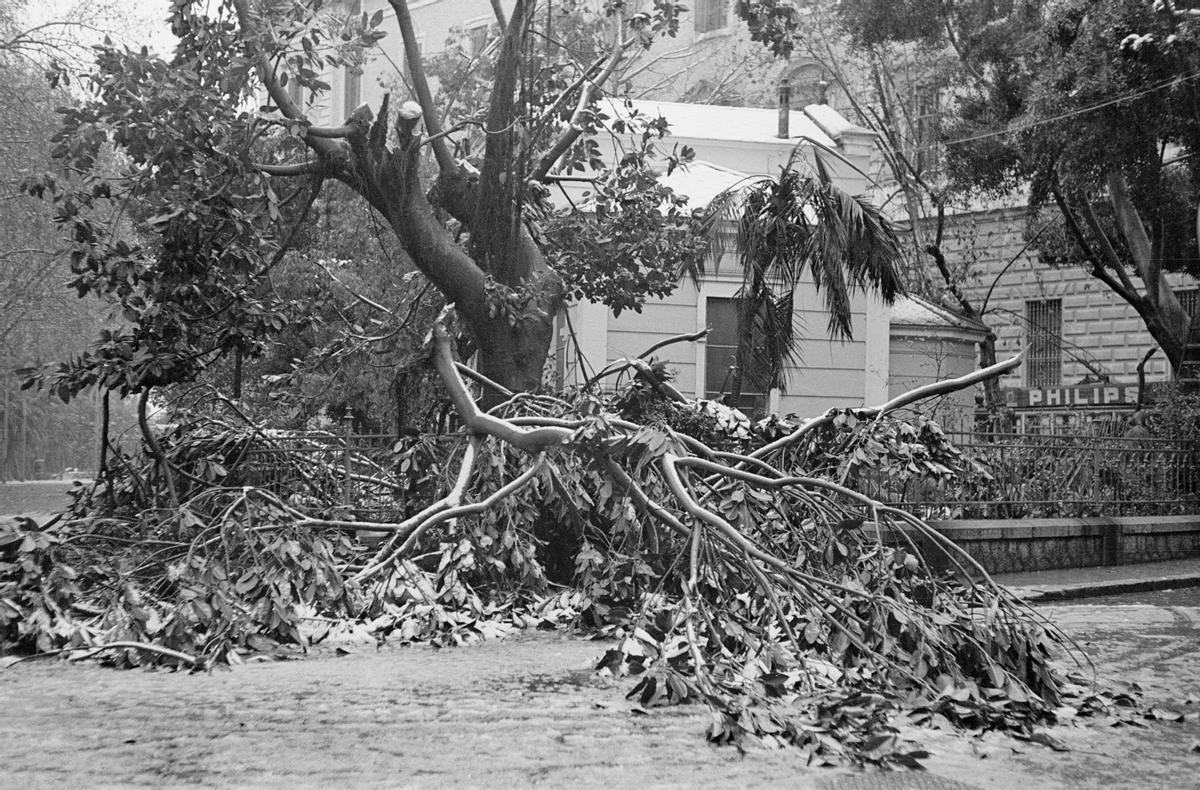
[1167, 83]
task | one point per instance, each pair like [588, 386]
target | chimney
[785, 107]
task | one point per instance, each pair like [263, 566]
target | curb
[1035, 595]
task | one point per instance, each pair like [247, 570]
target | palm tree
[798, 222]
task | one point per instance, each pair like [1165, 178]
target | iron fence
[375, 477]
[1032, 475]
[378, 477]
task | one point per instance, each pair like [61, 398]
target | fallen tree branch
[92, 650]
[920, 393]
[619, 365]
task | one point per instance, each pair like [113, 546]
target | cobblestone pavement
[528, 712]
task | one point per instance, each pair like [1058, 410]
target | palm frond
[872, 248]
[799, 224]
[724, 211]
[820, 151]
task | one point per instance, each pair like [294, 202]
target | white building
[730, 143]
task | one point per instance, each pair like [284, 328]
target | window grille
[1189, 299]
[720, 355]
[1189, 371]
[1043, 322]
[710, 15]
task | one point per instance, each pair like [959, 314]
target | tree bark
[512, 336]
[987, 347]
[1168, 322]
[1158, 307]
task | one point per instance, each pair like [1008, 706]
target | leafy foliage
[856, 627]
[187, 172]
[794, 226]
[636, 237]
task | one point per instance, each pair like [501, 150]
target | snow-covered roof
[832, 122]
[915, 312]
[741, 124]
[700, 181]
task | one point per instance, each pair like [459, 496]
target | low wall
[1036, 544]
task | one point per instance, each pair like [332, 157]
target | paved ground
[528, 712]
[36, 497]
[1070, 583]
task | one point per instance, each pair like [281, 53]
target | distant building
[731, 142]
[711, 59]
[1084, 343]
[930, 343]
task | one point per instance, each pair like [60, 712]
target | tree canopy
[1090, 109]
[214, 189]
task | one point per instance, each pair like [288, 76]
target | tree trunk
[513, 334]
[514, 337]
[987, 347]
[1168, 323]
[987, 358]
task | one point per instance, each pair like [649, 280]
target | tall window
[720, 356]
[353, 83]
[353, 87]
[1189, 300]
[1043, 322]
[710, 15]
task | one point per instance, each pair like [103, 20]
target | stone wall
[1003, 546]
[1101, 332]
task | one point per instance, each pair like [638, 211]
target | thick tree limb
[1170, 312]
[1098, 270]
[497, 221]
[416, 70]
[498, 10]
[471, 373]
[588, 89]
[388, 553]
[314, 167]
[330, 132]
[920, 393]
[190, 660]
[454, 510]
[624, 364]
[1134, 231]
[270, 81]
[804, 583]
[1110, 254]
[477, 421]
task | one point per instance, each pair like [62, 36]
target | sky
[133, 23]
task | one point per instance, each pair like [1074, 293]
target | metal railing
[378, 477]
[1024, 475]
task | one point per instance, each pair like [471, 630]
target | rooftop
[915, 311]
[817, 122]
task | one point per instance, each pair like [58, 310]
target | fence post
[347, 427]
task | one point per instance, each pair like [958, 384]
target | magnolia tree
[735, 564]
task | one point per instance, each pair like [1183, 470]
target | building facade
[1083, 343]
[730, 143]
[711, 58]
